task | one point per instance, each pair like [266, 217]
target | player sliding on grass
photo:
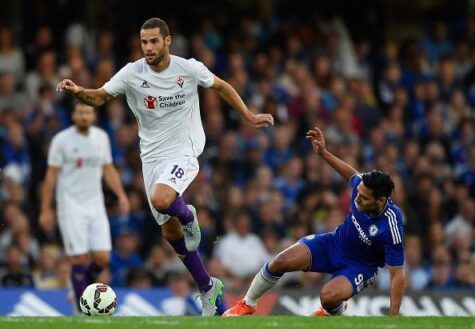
[371, 236]
[162, 92]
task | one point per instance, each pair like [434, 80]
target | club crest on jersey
[79, 162]
[150, 102]
[180, 81]
[373, 230]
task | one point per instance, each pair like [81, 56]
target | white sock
[263, 281]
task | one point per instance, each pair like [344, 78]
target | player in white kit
[77, 159]
[161, 90]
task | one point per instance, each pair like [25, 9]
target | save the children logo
[150, 102]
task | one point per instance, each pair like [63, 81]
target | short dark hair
[78, 103]
[154, 22]
[379, 182]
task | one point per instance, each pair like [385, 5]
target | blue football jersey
[375, 241]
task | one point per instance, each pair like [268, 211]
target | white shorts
[83, 233]
[178, 173]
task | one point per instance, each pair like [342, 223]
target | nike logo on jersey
[361, 233]
[145, 84]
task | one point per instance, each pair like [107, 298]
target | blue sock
[337, 310]
[267, 273]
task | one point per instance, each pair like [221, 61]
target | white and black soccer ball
[98, 299]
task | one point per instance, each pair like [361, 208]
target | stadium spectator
[124, 256]
[45, 73]
[16, 274]
[12, 59]
[235, 248]
[10, 98]
[44, 275]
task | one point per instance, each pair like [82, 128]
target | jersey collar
[384, 209]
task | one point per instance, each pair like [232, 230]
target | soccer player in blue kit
[371, 236]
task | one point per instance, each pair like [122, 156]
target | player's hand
[68, 86]
[260, 120]
[315, 135]
[47, 220]
[124, 205]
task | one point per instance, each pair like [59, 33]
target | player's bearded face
[154, 46]
[84, 117]
[365, 202]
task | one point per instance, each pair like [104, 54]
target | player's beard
[83, 128]
[158, 59]
[373, 209]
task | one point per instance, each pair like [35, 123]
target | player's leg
[211, 288]
[79, 266]
[99, 243]
[100, 260]
[160, 177]
[346, 282]
[334, 295]
[73, 231]
[295, 258]
[174, 178]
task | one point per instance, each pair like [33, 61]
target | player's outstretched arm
[92, 97]
[230, 95]
[398, 284]
[315, 135]
[46, 219]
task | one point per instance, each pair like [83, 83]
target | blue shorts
[326, 258]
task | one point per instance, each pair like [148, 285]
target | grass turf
[240, 323]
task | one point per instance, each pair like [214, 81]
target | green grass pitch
[239, 323]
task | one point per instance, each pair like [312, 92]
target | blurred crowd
[405, 106]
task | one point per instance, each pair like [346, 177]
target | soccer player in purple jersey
[371, 236]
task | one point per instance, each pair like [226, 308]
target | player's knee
[102, 260]
[279, 265]
[160, 202]
[79, 259]
[329, 296]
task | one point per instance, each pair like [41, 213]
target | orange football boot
[240, 309]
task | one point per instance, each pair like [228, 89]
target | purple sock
[93, 272]
[179, 209]
[79, 280]
[194, 264]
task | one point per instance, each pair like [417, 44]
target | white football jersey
[165, 104]
[81, 159]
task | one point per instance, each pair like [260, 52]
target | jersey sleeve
[55, 153]
[394, 246]
[355, 180]
[203, 75]
[107, 159]
[117, 84]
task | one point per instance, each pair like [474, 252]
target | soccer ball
[98, 299]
